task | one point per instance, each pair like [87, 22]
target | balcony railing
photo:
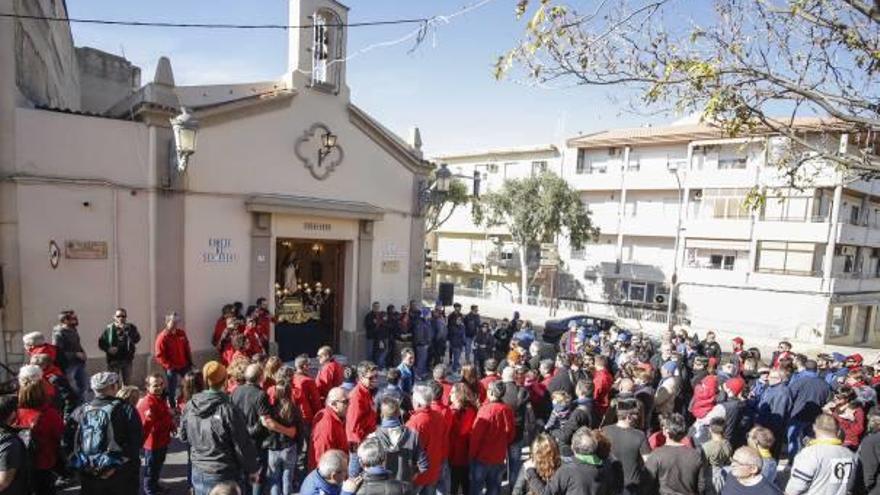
[799, 273]
[795, 219]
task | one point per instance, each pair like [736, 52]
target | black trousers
[460, 477]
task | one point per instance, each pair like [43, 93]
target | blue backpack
[96, 450]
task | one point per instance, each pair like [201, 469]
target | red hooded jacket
[434, 437]
[494, 429]
[47, 427]
[361, 418]
[460, 435]
[603, 380]
[329, 376]
[704, 396]
[306, 395]
[157, 420]
[328, 433]
[173, 351]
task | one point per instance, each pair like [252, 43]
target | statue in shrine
[291, 274]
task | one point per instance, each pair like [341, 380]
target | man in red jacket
[173, 354]
[433, 435]
[603, 380]
[361, 418]
[331, 373]
[306, 391]
[328, 432]
[494, 429]
[158, 425]
[35, 343]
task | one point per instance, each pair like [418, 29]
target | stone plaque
[85, 250]
[391, 266]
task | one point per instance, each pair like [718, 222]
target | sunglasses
[121, 316]
[341, 401]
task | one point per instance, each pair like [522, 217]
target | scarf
[584, 402]
[825, 441]
[765, 453]
[591, 459]
[390, 423]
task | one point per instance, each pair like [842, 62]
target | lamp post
[185, 127]
[673, 168]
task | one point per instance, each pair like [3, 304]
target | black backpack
[24, 437]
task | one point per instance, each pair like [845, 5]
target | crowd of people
[447, 404]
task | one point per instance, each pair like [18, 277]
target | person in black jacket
[404, 455]
[216, 431]
[587, 474]
[117, 468]
[71, 355]
[517, 398]
[581, 416]
[119, 341]
[372, 320]
[472, 325]
[250, 399]
[422, 342]
[282, 440]
[484, 345]
[376, 479]
[869, 453]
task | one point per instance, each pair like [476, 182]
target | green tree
[747, 66]
[437, 212]
[535, 210]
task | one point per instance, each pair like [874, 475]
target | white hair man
[745, 469]
[328, 431]
[433, 433]
[377, 479]
[329, 477]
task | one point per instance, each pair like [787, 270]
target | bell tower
[316, 50]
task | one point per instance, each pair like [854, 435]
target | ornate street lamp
[185, 127]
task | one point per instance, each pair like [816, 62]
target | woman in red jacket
[464, 412]
[849, 415]
[44, 421]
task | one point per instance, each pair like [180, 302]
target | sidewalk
[539, 315]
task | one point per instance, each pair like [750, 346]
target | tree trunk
[523, 275]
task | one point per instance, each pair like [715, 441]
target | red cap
[856, 357]
[739, 340]
[735, 385]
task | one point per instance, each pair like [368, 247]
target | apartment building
[670, 204]
[484, 262]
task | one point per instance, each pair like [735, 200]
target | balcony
[858, 235]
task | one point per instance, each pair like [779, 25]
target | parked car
[555, 329]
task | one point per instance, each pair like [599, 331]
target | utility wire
[112, 22]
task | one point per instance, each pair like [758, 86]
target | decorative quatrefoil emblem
[319, 151]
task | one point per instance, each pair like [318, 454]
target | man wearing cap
[216, 431]
[472, 324]
[116, 468]
[667, 390]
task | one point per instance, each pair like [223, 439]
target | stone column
[261, 259]
[10, 305]
[353, 341]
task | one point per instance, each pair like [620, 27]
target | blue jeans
[153, 462]
[469, 350]
[262, 461]
[203, 483]
[380, 356]
[455, 358]
[422, 352]
[444, 484]
[425, 490]
[796, 432]
[280, 469]
[172, 380]
[486, 476]
[78, 379]
[514, 460]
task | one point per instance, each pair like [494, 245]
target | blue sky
[445, 87]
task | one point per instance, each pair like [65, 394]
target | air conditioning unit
[698, 194]
[660, 298]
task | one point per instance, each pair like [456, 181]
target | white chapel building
[289, 183]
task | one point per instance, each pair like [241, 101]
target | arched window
[326, 50]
